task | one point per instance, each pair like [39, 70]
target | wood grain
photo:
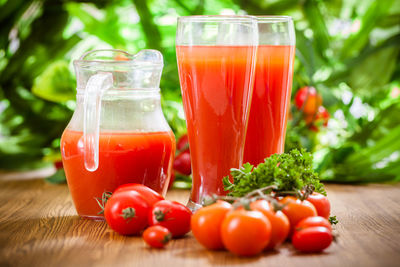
[39, 227]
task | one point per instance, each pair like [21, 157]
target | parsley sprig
[286, 172]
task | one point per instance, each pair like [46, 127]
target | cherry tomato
[313, 222]
[312, 239]
[172, 215]
[312, 100]
[321, 204]
[245, 233]
[183, 143]
[126, 212]
[314, 121]
[157, 236]
[58, 164]
[182, 163]
[279, 222]
[148, 194]
[206, 224]
[296, 210]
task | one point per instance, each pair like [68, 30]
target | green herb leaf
[287, 172]
[333, 220]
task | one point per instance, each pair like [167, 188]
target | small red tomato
[58, 164]
[245, 233]
[279, 222]
[315, 121]
[308, 99]
[172, 215]
[206, 224]
[183, 143]
[182, 163]
[321, 204]
[312, 239]
[296, 210]
[148, 194]
[157, 236]
[313, 222]
[126, 213]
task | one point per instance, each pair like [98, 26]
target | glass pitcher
[118, 133]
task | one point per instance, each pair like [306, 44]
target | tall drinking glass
[216, 61]
[272, 88]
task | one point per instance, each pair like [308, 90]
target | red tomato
[148, 194]
[58, 164]
[172, 215]
[126, 212]
[183, 143]
[312, 239]
[296, 210]
[157, 236]
[182, 163]
[279, 222]
[321, 204]
[308, 97]
[206, 224]
[245, 233]
[314, 121]
[313, 222]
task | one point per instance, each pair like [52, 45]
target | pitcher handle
[95, 88]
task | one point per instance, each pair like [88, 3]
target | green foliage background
[347, 49]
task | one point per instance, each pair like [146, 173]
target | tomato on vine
[296, 210]
[312, 239]
[315, 120]
[321, 204]
[313, 222]
[279, 222]
[245, 233]
[308, 100]
[206, 224]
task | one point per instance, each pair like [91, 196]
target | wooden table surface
[39, 227]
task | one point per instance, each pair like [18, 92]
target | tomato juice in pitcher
[118, 133]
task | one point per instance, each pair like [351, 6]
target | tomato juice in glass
[270, 103]
[272, 88]
[216, 90]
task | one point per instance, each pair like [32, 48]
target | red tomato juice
[270, 103]
[136, 157]
[216, 90]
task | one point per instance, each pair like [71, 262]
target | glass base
[193, 206]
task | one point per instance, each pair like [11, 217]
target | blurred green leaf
[375, 13]
[55, 83]
[367, 76]
[312, 11]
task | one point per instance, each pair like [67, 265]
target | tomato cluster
[249, 229]
[134, 207]
[309, 102]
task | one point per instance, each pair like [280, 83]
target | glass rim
[273, 18]
[82, 62]
[216, 18]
